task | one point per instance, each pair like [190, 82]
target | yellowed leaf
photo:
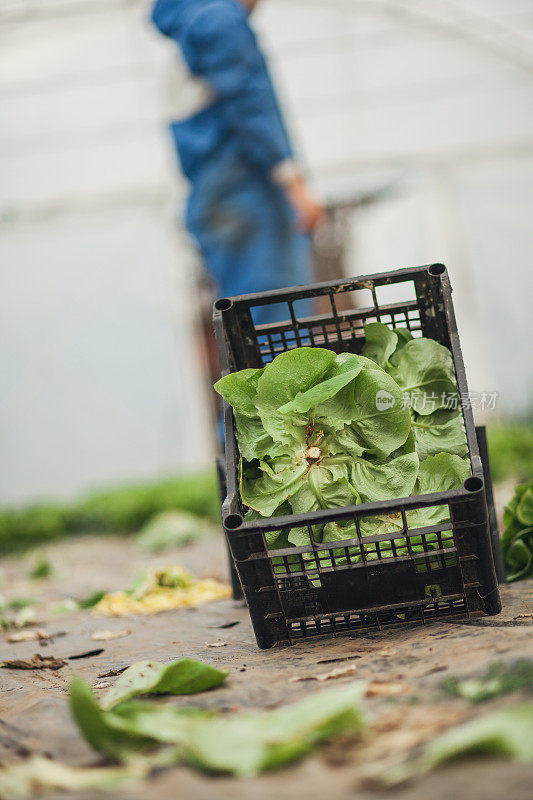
[163, 590]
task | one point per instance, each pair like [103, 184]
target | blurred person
[249, 209]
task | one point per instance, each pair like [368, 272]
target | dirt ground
[34, 715]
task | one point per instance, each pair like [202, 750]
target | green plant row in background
[121, 510]
[511, 451]
[128, 508]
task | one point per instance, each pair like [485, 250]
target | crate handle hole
[473, 484]
[224, 304]
[233, 521]
[436, 270]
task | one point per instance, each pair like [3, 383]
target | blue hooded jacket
[244, 123]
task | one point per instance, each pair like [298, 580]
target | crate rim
[345, 512]
[325, 287]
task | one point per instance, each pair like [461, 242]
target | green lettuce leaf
[382, 480]
[422, 367]
[381, 428]
[240, 743]
[38, 774]
[424, 370]
[503, 734]
[276, 483]
[100, 729]
[342, 371]
[524, 509]
[437, 473]
[440, 432]
[288, 375]
[380, 342]
[251, 743]
[185, 676]
[440, 473]
[507, 733]
[240, 390]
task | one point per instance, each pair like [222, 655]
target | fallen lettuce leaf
[507, 733]
[41, 569]
[69, 604]
[240, 743]
[25, 779]
[246, 744]
[172, 529]
[186, 676]
[18, 603]
[503, 734]
[24, 613]
[499, 679]
[162, 590]
[103, 730]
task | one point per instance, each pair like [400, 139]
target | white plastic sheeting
[99, 375]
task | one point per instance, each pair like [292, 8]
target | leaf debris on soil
[339, 672]
[86, 654]
[385, 689]
[107, 636]
[112, 673]
[225, 625]
[37, 661]
[433, 670]
[37, 634]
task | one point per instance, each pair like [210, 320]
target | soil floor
[34, 713]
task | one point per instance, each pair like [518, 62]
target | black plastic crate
[290, 598]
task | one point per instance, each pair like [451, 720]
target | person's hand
[309, 212]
